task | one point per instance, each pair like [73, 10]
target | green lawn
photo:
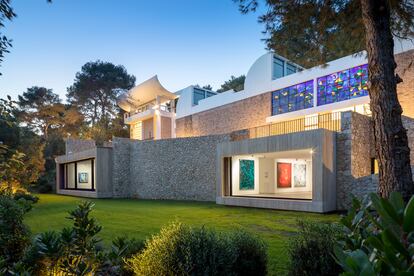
[142, 218]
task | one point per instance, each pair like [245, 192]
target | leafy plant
[182, 250]
[379, 237]
[311, 250]
[14, 235]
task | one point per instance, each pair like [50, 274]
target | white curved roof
[143, 93]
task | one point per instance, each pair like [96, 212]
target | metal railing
[330, 121]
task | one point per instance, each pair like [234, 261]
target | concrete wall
[323, 169]
[180, 169]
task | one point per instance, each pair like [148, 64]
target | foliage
[311, 251]
[112, 261]
[314, 32]
[96, 89]
[14, 235]
[182, 250]
[42, 109]
[235, 83]
[20, 165]
[6, 13]
[379, 237]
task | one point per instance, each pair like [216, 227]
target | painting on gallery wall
[284, 175]
[83, 178]
[299, 175]
[246, 174]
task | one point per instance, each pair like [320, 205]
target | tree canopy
[313, 32]
[96, 88]
[235, 83]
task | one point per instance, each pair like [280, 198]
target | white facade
[259, 80]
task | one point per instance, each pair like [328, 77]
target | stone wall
[244, 114]
[405, 89]
[180, 169]
[355, 148]
[77, 145]
[353, 164]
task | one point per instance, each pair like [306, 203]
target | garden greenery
[311, 251]
[182, 250]
[379, 237]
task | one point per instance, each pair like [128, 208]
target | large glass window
[80, 175]
[343, 85]
[272, 174]
[292, 98]
[198, 95]
[278, 68]
[290, 69]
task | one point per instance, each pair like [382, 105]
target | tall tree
[235, 83]
[41, 109]
[329, 29]
[96, 89]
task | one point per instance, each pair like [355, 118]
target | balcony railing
[330, 121]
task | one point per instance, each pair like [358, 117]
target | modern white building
[294, 138]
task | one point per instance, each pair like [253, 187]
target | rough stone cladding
[405, 89]
[239, 115]
[180, 169]
[77, 145]
[355, 148]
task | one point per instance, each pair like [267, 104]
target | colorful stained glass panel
[342, 85]
[292, 98]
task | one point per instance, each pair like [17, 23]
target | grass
[143, 218]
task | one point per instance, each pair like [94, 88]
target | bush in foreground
[181, 250]
[379, 237]
[311, 251]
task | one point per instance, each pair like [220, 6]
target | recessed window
[290, 69]
[198, 95]
[374, 166]
[278, 68]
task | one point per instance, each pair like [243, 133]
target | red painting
[284, 175]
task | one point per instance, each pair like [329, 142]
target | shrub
[182, 250]
[112, 262]
[311, 251]
[251, 257]
[379, 237]
[14, 235]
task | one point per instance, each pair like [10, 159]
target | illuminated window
[292, 98]
[343, 85]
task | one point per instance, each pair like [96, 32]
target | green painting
[246, 174]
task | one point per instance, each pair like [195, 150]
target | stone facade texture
[244, 114]
[180, 169]
[405, 89]
[78, 145]
[355, 149]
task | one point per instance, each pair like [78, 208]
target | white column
[157, 125]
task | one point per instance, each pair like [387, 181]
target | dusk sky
[184, 42]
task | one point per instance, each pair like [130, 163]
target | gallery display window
[274, 175]
[79, 175]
